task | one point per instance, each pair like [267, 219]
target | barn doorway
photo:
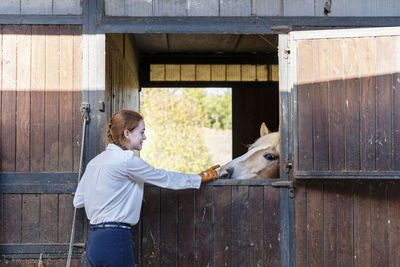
[248, 64]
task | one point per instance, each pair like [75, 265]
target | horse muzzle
[226, 174]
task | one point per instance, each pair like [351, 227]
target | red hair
[121, 121]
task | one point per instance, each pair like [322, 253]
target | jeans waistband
[111, 225]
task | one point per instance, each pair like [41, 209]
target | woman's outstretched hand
[209, 174]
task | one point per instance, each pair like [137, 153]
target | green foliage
[174, 140]
[217, 107]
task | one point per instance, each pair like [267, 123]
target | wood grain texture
[37, 7]
[272, 226]
[345, 222]
[9, 85]
[396, 103]
[235, 8]
[384, 48]
[48, 218]
[320, 104]
[315, 231]
[393, 223]
[151, 227]
[38, 74]
[12, 214]
[352, 104]
[240, 229]
[330, 224]
[300, 231]
[186, 227]
[66, 98]
[222, 226]
[256, 216]
[168, 229]
[52, 98]
[30, 218]
[203, 227]
[23, 130]
[379, 252]
[367, 61]
[77, 96]
[336, 105]
[362, 219]
[304, 97]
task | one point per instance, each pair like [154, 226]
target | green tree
[173, 118]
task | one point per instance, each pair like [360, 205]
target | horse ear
[264, 129]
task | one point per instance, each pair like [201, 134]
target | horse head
[260, 161]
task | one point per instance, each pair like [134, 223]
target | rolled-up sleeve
[139, 170]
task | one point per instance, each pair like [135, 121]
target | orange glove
[209, 174]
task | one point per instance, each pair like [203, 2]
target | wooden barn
[326, 73]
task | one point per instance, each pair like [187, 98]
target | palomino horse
[260, 161]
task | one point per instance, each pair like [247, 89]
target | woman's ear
[126, 133]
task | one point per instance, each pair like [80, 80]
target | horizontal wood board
[250, 8]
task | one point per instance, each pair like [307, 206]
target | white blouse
[111, 189]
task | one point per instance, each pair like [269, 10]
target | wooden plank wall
[41, 94]
[122, 74]
[41, 7]
[214, 226]
[353, 121]
[250, 8]
[344, 223]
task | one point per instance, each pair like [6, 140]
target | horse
[260, 161]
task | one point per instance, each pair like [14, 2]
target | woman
[111, 190]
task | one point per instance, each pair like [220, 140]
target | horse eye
[269, 156]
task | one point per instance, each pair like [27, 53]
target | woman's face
[134, 139]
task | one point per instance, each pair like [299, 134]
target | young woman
[111, 190]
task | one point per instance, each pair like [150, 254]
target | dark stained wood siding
[346, 114]
[41, 124]
[345, 223]
[214, 226]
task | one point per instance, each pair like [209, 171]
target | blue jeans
[110, 247]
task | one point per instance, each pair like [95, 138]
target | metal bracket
[285, 184]
[85, 109]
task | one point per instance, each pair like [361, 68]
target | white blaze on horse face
[254, 163]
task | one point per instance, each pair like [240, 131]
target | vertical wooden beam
[204, 241]
[23, 122]
[186, 227]
[315, 224]
[240, 229]
[223, 226]
[352, 104]
[330, 224]
[367, 61]
[345, 224]
[304, 110]
[52, 98]
[320, 104]
[168, 228]
[77, 96]
[384, 107]
[38, 74]
[8, 137]
[151, 227]
[362, 225]
[336, 105]
[66, 97]
[272, 226]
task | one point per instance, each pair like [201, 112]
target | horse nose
[227, 175]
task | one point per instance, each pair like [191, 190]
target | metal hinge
[285, 184]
